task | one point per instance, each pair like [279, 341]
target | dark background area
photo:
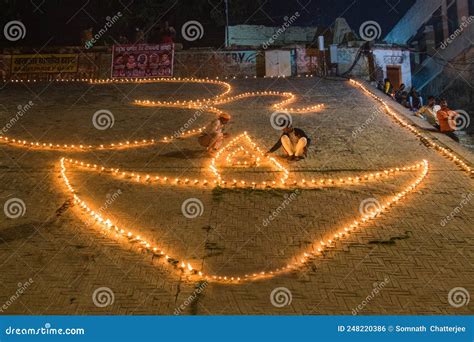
[60, 22]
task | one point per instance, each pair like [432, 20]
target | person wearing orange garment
[447, 120]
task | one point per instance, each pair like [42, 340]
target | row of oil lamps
[185, 267]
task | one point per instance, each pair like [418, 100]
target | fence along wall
[97, 64]
[204, 63]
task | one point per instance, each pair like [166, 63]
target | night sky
[324, 12]
[60, 22]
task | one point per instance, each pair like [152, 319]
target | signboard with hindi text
[44, 63]
[142, 60]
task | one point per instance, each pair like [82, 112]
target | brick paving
[68, 259]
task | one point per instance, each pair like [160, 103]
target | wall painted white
[386, 57]
[267, 36]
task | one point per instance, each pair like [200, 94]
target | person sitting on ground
[295, 142]
[399, 92]
[428, 112]
[416, 101]
[213, 135]
[404, 100]
[446, 118]
[388, 88]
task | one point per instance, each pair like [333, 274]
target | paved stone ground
[67, 259]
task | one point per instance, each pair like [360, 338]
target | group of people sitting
[437, 114]
[440, 116]
[408, 98]
[295, 141]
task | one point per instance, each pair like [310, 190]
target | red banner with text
[142, 60]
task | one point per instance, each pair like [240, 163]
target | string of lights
[185, 267]
[86, 148]
[228, 152]
[72, 147]
[204, 104]
[227, 87]
[132, 79]
[281, 106]
[154, 179]
[425, 139]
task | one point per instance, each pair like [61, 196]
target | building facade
[440, 36]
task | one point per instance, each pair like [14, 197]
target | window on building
[453, 23]
[437, 22]
[417, 45]
[471, 7]
[421, 42]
